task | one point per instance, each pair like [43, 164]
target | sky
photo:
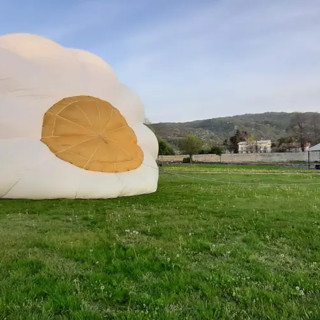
[191, 59]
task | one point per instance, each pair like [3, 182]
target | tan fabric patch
[91, 134]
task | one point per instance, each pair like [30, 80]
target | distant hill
[269, 125]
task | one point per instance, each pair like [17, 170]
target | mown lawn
[235, 168]
[196, 249]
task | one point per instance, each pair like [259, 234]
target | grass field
[196, 249]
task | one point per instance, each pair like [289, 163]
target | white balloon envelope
[68, 127]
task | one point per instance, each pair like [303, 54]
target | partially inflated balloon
[68, 128]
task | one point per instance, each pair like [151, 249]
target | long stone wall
[247, 157]
[206, 158]
[264, 157]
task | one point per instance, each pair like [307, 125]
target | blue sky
[191, 59]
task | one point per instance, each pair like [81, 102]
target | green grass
[196, 249]
[262, 168]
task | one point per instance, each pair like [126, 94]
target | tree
[306, 128]
[148, 123]
[191, 145]
[216, 150]
[226, 145]
[315, 129]
[235, 139]
[301, 129]
[284, 144]
[252, 144]
[164, 147]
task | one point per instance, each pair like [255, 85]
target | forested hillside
[269, 125]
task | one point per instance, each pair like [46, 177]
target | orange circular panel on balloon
[91, 134]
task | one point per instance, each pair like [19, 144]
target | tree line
[302, 130]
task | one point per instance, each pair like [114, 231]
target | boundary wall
[246, 157]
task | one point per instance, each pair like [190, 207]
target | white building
[264, 146]
[260, 146]
[242, 147]
[315, 148]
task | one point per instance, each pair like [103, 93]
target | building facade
[260, 146]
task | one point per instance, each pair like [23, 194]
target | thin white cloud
[250, 57]
[201, 59]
